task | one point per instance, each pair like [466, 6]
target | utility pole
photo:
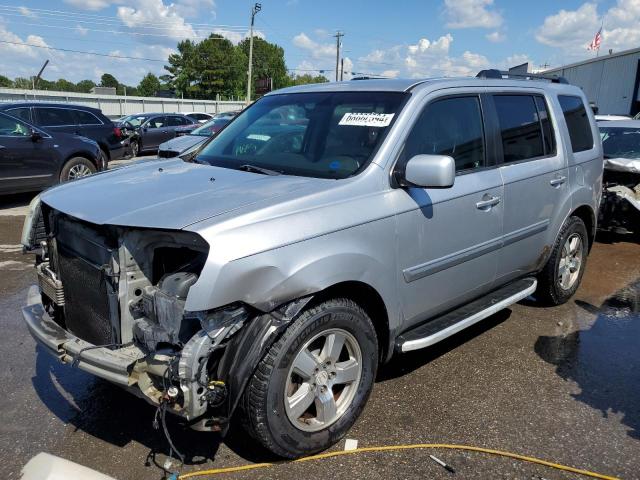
[338, 35]
[341, 69]
[256, 8]
[36, 79]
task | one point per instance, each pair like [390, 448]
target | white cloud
[165, 19]
[496, 37]
[192, 8]
[471, 13]
[26, 12]
[81, 30]
[93, 5]
[236, 37]
[313, 48]
[572, 30]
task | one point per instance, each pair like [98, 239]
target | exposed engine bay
[123, 291]
[620, 205]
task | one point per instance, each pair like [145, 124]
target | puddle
[603, 360]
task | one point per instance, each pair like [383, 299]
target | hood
[169, 194]
[180, 144]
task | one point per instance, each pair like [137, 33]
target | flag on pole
[597, 40]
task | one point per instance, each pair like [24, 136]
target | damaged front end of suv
[111, 301]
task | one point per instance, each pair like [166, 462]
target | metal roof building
[609, 81]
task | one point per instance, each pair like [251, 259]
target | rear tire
[76, 167]
[561, 276]
[308, 390]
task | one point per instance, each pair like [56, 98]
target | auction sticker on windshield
[370, 119]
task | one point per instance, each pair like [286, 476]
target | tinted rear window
[54, 117]
[519, 126]
[86, 118]
[575, 114]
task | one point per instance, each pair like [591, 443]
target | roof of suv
[27, 103]
[404, 85]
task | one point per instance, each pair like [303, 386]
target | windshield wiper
[247, 167]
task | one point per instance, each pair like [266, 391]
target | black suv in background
[33, 158]
[75, 119]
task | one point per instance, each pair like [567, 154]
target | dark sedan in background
[146, 131]
[176, 146]
[33, 158]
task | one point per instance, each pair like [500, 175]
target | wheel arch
[81, 154]
[588, 216]
[370, 301]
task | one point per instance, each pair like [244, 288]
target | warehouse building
[610, 81]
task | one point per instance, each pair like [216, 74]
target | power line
[102, 18]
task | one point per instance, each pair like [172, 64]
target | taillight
[117, 132]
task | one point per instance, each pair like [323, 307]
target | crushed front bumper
[112, 365]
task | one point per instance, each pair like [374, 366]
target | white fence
[117, 106]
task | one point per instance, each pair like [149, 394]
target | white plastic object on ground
[45, 466]
[350, 444]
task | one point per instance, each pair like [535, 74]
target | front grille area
[83, 266]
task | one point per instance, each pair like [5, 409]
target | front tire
[77, 167]
[561, 276]
[135, 148]
[313, 383]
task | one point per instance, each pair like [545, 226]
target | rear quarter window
[575, 115]
[86, 118]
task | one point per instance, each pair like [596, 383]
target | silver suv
[325, 229]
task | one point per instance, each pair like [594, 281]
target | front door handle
[487, 202]
[556, 182]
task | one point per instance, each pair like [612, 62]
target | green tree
[5, 82]
[108, 80]
[85, 86]
[306, 79]
[65, 85]
[268, 61]
[180, 70]
[21, 82]
[149, 85]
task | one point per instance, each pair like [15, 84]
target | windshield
[620, 142]
[211, 127]
[324, 135]
[135, 120]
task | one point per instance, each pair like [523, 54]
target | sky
[400, 38]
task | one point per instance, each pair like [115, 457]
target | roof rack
[498, 74]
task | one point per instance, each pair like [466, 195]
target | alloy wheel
[323, 380]
[570, 261]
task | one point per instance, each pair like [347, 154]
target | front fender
[365, 253]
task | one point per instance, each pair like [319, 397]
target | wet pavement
[562, 384]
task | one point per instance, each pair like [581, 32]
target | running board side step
[439, 328]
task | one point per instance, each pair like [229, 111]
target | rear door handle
[555, 182]
[487, 202]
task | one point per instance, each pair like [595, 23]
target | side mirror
[36, 136]
[435, 171]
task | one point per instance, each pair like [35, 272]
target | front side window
[575, 114]
[157, 122]
[317, 134]
[451, 126]
[11, 127]
[23, 113]
[620, 142]
[54, 117]
[520, 127]
[135, 120]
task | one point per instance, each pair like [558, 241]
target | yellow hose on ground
[218, 471]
